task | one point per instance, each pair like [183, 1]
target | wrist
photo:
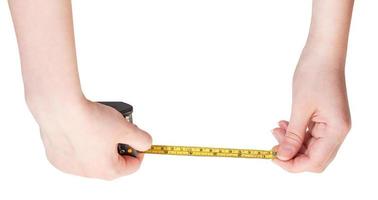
[46, 106]
[326, 46]
[322, 56]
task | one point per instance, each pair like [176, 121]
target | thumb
[294, 136]
[136, 137]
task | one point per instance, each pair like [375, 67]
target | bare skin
[320, 118]
[82, 140]
[80, 136]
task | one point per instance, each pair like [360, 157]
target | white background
[199, 72]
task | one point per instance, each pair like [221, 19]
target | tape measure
[124, 149]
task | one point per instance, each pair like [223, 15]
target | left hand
[320, 118]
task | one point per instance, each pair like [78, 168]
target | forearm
[45, 38]
[329, 30]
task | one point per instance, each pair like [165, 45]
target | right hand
[83, 140]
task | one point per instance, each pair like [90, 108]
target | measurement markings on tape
[123, 149]
[200, 151]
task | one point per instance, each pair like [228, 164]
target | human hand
[320, 118]
[82, 140]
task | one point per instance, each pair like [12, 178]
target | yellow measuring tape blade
[210, 152]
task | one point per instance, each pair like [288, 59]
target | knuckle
[294, 138]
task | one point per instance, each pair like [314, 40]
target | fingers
[316, 160]
[296, 165]
[322, 149]
[121, 166]
[299, 164]
[294, 136]
[283, 124]
[128, 164]
[279, 133]
[318, 149]
[136, 137]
